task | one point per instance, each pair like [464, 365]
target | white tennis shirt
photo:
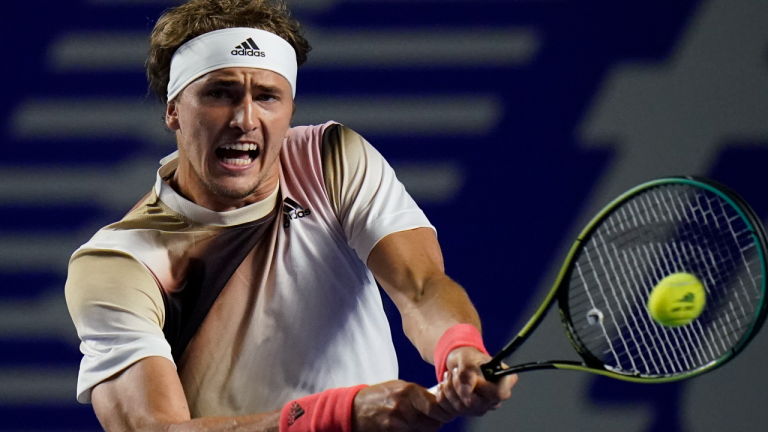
[298, 313]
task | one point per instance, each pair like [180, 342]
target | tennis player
[239, 294]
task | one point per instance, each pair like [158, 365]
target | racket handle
[489, 370]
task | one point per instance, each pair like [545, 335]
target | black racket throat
[493, 375]
[495, 369]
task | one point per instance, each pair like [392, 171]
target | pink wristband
[329, 411]
[457, 336]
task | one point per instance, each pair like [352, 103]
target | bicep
[403, 262]
[146, 396]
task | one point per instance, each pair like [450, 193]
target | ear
[172, 116]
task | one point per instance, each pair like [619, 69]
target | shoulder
[144, 236]
[111, 279]
[328, 153]
[303, 137]
[331, 137]
[341, 143]
[345, 155]
[109, 272]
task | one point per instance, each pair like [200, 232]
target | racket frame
[494, 369]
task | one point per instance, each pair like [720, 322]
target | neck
[183, 182]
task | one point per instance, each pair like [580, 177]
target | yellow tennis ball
[677, 300]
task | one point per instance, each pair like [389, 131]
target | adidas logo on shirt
[292, 210]
[248, 48]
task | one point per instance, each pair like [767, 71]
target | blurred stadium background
[510, 122]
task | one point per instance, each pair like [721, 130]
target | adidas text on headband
[234, 47]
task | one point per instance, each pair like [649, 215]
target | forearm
[122, 418]
[440, 304]
[265, 422]
[409, 266]
[148, 397]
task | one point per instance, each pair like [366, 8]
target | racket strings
[665, 230]
[683, 252]
[717, 264]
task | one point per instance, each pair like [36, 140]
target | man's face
[230, 125]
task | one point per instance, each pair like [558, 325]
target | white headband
[234, 47]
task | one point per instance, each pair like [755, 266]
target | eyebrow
[225, 82]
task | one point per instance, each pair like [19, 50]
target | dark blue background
[526, 181]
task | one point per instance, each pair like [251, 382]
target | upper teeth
[242, 147]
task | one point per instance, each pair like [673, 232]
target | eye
[265, 97]
[219, 93]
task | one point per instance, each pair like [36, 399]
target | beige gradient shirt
[284, 303]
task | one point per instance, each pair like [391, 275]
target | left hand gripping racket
[671, 225]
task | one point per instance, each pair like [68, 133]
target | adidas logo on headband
[248, 48]
[217, 50]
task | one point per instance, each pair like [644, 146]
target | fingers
[413, 413]
[425, 403]
[398, 406]
[451, 399]
[465, 390]
[501, 389]
[448, 395]
[505, 386]
[465, 379]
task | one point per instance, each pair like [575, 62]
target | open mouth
[237, 154]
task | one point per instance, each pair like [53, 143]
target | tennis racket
[666, 226]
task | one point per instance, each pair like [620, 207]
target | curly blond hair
[196, 17]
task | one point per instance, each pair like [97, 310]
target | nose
[244, 117]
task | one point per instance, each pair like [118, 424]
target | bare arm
[148, 397]
[409, 266]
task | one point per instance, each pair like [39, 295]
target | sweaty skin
[409, 266]
[251, 109]
[233, 106]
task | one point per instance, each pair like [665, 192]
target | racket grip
[489, 370]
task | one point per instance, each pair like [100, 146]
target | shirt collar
[202, 215]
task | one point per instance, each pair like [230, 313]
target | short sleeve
[364, 191]
[118, 310]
